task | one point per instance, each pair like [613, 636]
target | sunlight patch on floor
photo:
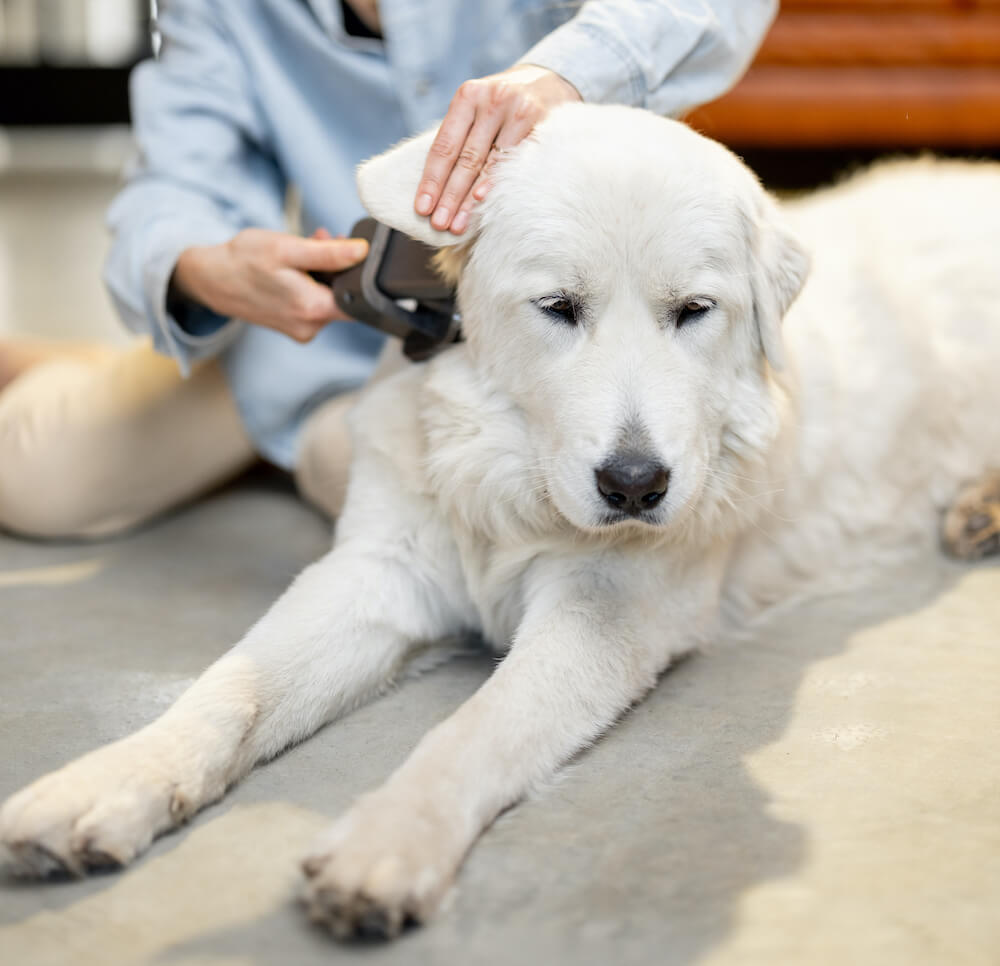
[889, 764]
[71, 573]
[230, 871]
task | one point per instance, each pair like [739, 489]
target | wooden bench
[869, 73]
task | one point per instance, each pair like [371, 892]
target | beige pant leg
[325, 455]
[91, 447]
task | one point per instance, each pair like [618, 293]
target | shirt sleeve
[666, 55]
[204, 172]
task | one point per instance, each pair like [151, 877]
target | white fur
[795, 456]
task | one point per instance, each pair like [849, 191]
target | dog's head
[624, 282]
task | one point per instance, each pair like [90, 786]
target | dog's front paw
[98, 811]
[385, 864]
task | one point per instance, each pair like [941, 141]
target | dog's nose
[632, 483]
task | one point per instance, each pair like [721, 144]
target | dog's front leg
[334, 638]
[591, 643]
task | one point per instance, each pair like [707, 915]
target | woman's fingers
[476, 193]
[468, 165]
[446, 148]
[485, 117]
[259, 276]
[520, 118]
[320, 254]
[310, 306]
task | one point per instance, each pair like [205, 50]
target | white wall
[54, 190]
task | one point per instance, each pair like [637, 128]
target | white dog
[627, 447]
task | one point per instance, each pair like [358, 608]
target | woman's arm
[665, 55]
[188, 255]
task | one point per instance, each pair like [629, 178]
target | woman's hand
[260, 276]
[485, 116]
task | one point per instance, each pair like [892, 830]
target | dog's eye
[558, 307]
[693, 310]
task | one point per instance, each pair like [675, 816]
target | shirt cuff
[194, 320]
[183, 329]
[593, 61]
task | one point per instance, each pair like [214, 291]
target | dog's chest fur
[466, 452]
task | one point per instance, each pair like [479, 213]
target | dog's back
[894, 347]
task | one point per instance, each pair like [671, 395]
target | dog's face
[622, 283]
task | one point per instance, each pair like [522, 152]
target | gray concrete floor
[825, 791]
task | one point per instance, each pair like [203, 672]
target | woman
[252, 357]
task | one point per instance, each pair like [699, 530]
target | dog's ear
[781, 265]
[388, 183]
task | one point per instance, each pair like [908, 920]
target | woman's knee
[48, 487]
[93, 450]
[44, 491]
[325, 455]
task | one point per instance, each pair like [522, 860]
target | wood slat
[878, 38]
[860, 106]
[890, 6]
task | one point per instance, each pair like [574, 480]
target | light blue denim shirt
[249, 98]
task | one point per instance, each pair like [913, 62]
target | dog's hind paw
[377, 870]
[97, 812]
[971, 526]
